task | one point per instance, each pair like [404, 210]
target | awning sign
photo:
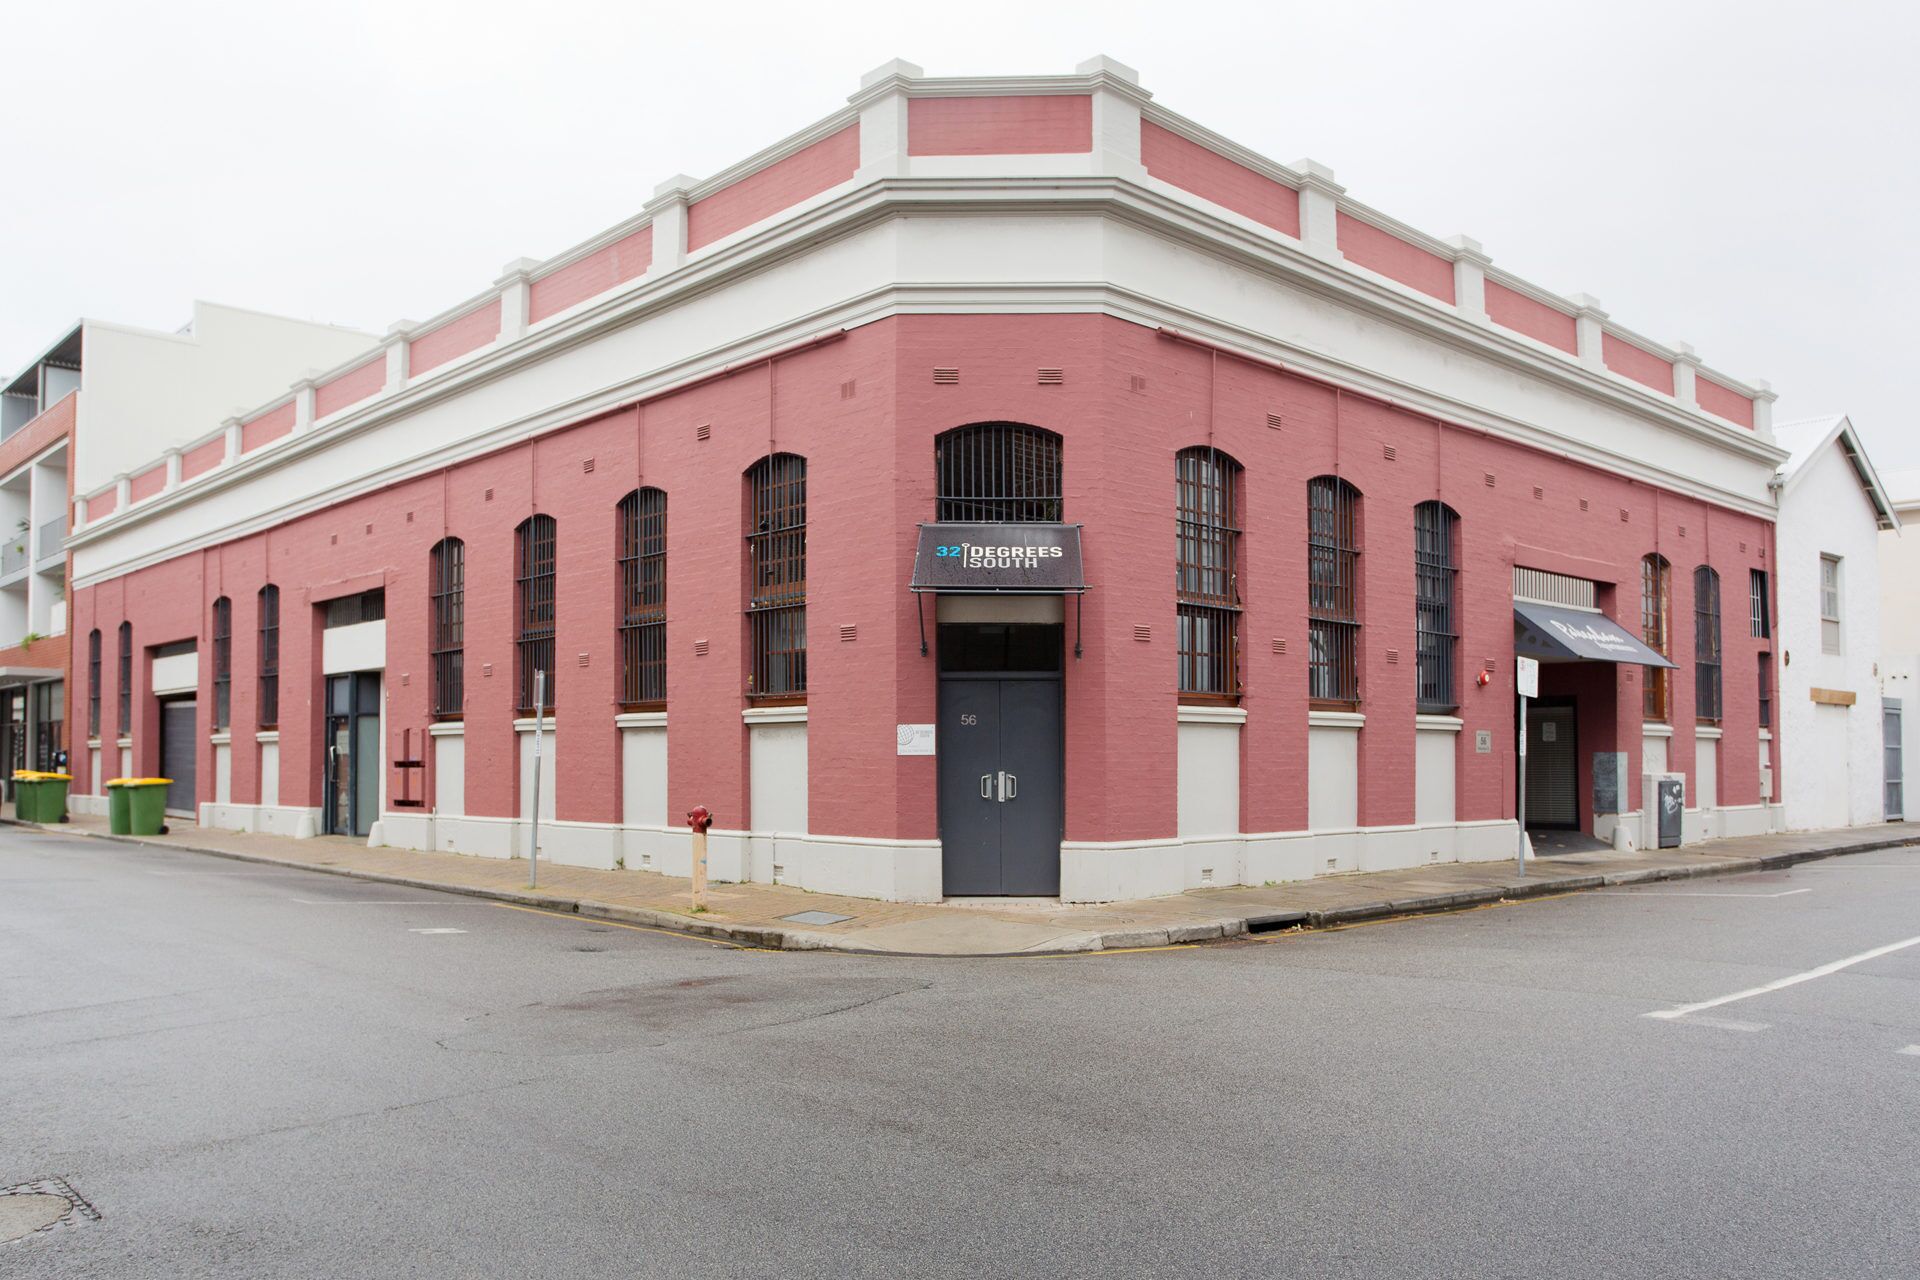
[985, 559]
[1553, 634]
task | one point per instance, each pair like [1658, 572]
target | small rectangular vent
[1142, 632]
[1683, 531]
[1279, 645]
[703, 432]
[486, 671]
[1624, 517]
[849, 632]
[1489, 666]
[1275, 421]
[847, 389]
[1051, 377]
[1393, 656]
[699, 648]
[409, 517]
[488, 496]
[369, 530]
[1137, 383]
[586, 465]
[1539, 494]
[333, 539]
[1585, 505]
[405, 679]
[1489, 479]
[583, 659]
[1390, 453]
[946, 377]
[1763, 553]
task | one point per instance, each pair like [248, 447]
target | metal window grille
[1207, 572]
[447, 616]
[269, 656]
[777, 576]
[534, 605]
[998, 471]
[642, 603]
[93, 683]
[1654, 629]
[1766, 692]
[126, 679]
[1706, 644]
[1436, 572]
[1761, 615]
[222, 662]
[1333, 566]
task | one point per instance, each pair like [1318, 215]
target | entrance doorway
[177, 753]
[1001, 745]
[352, 799]
[1896, 768]
[1553, 764]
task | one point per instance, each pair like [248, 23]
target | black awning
[1555, 634]
[993, 559]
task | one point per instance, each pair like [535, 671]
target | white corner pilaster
[303, 401]
[1763, 398]
[122, 491]
[232, 427]
[80, 511]
[172, 459]
[1117, 96]
[1589, 328]
[669, 210]
[1319, 208]
[398, 338]
[516, 289]
[882, 101]
[1469, 277]
[1686, 368]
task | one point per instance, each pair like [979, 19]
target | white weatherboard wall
[1831, 756]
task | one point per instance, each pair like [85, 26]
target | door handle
[1012, 787]
[986, 786]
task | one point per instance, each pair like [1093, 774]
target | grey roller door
[1552, 774]
[177, 744]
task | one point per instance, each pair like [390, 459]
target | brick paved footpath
[751, 914]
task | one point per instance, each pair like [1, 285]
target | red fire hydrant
[699, 818]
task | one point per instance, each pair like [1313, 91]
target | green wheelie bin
[40, 796]
[146, 806]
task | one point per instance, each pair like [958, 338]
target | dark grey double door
[1002, 785]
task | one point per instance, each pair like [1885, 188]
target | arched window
[1333, 590]
[447, 626]
[1706, 644]
[126, 679]
[1207, 572]
[93, 683]
[269, 656]
[641, 606]
[999, 472]
[534, 551]
[1656, 629]
[222, 663]
[777, 576]
[1436, 579]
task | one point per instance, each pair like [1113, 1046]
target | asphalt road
[254, 1072]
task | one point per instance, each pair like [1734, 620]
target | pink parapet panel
[454, 339]
[1637, 363]
[104, 503]
[1028, 124]
[1723, 402]
[147, 483]
[203, 458]
[1365, 245]
[1511, 309]
[269, 426]
[1211, 176]
[350, 388]
[625, 259]
[780, 185]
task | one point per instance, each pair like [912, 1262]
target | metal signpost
[1526, 683]
[539, 729]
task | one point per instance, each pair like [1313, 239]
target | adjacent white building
[1834, 511]
[1900, 645]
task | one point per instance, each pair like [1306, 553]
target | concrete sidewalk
[759, 915]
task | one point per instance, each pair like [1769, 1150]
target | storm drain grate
[815, 917]
[41, 1206]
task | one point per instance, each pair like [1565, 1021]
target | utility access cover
[815, 917]
[36, 1206]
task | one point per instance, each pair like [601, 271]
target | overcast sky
[1738, 175]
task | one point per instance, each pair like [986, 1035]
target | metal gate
[1553, 783]
[1896, 760]
[177, 753]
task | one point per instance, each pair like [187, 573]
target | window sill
[525, 724]
[267, 736]
[640, 720]
[1335, 719]
[221, 739]
[790, 713]
[123, 742]
[1708, 729]
[1656, 729]
[1438, 723]
[1211, 713]
[447, 729]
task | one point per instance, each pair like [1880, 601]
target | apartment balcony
[14, 560]
[50, 543]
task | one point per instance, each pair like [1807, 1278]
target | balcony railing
[13, 555]
[53, 538]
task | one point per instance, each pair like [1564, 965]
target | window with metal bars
[126, 679]
[1436, 578]
[222, 663]
[93, 683]
[447, 626]
[1761, 616]
[1333, 607]
[1655, 628]
[1706, 644]
[1766, 691]
[534, 551]
[269, 656]
[1002, 472]
[641, 605]
[777, 576]
[1207, 573]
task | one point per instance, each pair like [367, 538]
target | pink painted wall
[1722, 401]
[454, 339]
[1366, 245]
[203, 458]
[269, 426]
[40, 433]
[103, 503]
[1637, 363]
[1514, 310]
[1212, 176]
[625, 259]
[870, 480]
[350, 388]
[780, 185]
[147, 483]
[1015, 125]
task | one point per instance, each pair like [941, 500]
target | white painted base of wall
[87, 806]
[272, 820]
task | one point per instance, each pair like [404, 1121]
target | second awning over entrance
[1554, 634]
[988, 559]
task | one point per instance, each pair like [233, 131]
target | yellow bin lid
[138, 782]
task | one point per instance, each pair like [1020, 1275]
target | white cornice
[1001, 86]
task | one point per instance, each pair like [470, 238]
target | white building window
[1830, 604]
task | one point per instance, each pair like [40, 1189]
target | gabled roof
[1805, 438]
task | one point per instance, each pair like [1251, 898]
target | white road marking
[1780, 983]
[1788, 894]
[1727, 1024]
[436, 931]
[1912, 1050]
